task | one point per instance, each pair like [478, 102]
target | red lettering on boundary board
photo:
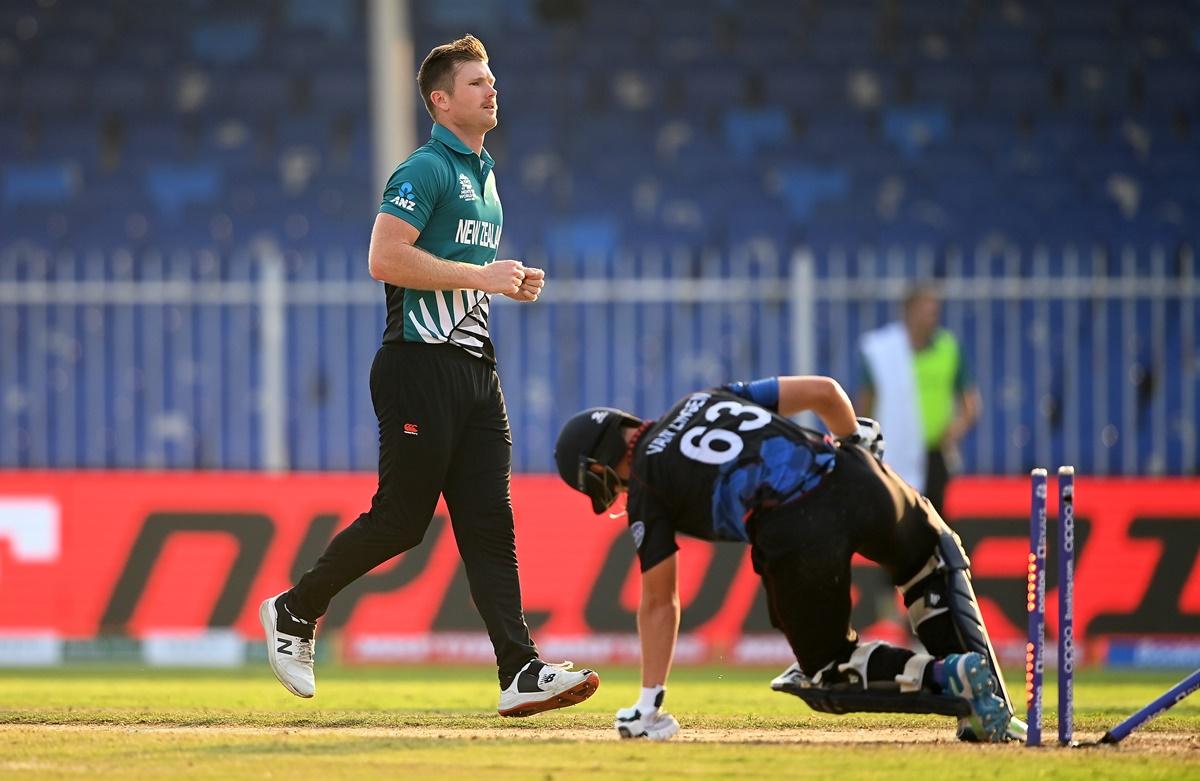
[84, 554]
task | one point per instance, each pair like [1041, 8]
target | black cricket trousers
[443, 429]
[803, 550]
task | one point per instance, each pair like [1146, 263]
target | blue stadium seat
[343, 89]
[582, 234]
[1096, 87]
[40, 182]
[77, 51]
[911, 130]
[1173, 85]
[620, 131]
[333, 16]
[811, 88]
[174, 186]
[453, 14]
[711, 85]
[746, 130]
[1062, 134]
[260, 91]
[226, 42]
[986, 132]
[121, 90]
[153, 137]
[9, 95]
[232, 144]
[1000, 45]
[1160, 17]
[1076, 47]
[1074, 16]
[857, 47]
[909, 233]
[837, 133]
[948, 83]
[49, 90]
[1018, 87]
[933, 14]
[851, 17]
[803, 187]
[13, 138]
[77, 142]
[764, 48]
[304, 51]
[942, 165]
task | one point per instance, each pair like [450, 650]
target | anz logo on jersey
[407, 199]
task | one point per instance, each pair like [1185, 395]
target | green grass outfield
[425, 722]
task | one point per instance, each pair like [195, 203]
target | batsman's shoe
[792, 677]
[541, 686]
[290, 645]
[1018, 731]
[655, 725]
[967, 676]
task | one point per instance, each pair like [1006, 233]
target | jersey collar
[443, 134]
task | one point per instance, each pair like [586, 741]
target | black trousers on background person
[937, 477]
[443, 430]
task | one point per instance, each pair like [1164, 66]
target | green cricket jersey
[448, 193]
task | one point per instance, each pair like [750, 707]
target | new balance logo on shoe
[290, 646]
[540, 687]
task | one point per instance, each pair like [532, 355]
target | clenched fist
[502, 276]
[531, 286]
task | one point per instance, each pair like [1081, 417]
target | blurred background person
[916, 382]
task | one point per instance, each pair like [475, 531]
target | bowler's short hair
[442, 63]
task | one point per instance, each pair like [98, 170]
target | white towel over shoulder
[890, 360]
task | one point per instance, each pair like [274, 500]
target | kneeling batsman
[726, 464]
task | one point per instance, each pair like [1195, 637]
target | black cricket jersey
[710, 462]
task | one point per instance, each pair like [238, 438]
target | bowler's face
[473, 104]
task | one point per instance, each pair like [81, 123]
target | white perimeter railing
[259, 359]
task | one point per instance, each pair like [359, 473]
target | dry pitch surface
[128, 722]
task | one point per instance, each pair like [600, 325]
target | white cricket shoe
[541, 686]
[791, 678]
[655, 725]
[290, 646]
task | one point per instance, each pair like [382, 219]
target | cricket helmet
[593, 437]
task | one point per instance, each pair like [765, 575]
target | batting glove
[868, 435]
[653, 725]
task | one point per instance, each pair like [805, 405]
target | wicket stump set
[1035, 605]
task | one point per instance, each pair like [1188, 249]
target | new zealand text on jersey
[478, 232]
[664, 437]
